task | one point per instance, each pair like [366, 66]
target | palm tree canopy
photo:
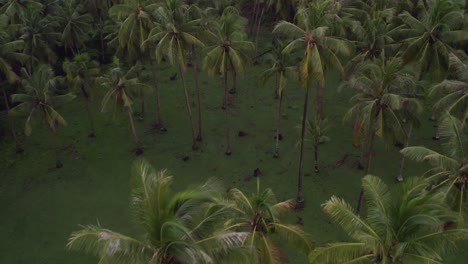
[9, 52]
[403, 225]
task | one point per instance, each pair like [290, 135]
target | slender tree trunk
[278, 120]
[362, 149]
[159, 122]
[142, 101]
[226, 115]
[234, 79]
[197, 91]
[254, 17]
[18, 147]
[134, 132]
[88, 113]
[189, 111]
[402, 160]
[300, 196]
[369, 162]
[101, 41]
[316, 148]
[276, 86]
[319, 99]
[259, 22]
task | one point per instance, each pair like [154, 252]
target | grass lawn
[41, 205]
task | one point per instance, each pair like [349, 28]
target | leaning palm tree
[39, 97]
[408, 225]
[383, 89]
[449, 167]
[260, 217]
[81, 74]
[320, 52]
[228, 53]
[175, 37]
[177, 226]
[282, 70]
[119, 82]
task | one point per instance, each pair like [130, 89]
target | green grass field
[41, 205]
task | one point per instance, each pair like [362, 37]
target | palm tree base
[228, 152]
[276, 154]
[159, 127]
[316, 169]
[232, 91]
[436, 138]
[300, 203]
[92, 135]
[194, 146]
[399, 178]
[58, 164]
[138, 151]
[360, 166]
[199, 138]
[19, 150]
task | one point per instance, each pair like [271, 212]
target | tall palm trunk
[134, 133]
[226, 115]
[197, 92]
[58, 163]
[316, 148]
[300, 196]
[402, 160]
[278, 118]
[234, 79]
[259, 22]
[142, 102]
[88, 113]
[187, 105]
[369, 162]
[18, 147]
[159, 122]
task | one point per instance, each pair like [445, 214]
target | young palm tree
[259, 216]
[407, 225]
[229, 52]
[175, 37]
[450, 169]
[383, 89]
[119, 82]
[282, 70]
[177, 226]
[39, 97]
[316, 130]
[321, 51]
[81, 74]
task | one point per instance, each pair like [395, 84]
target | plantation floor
[41, 205]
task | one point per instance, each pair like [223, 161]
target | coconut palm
[228, 53]
[450, 169]
[260, 217]
[383, 88]
[76, 26]
[10, 52]
[175, 37]
[119, 83]
[16, 9]
[176, 226]
[406, 225]
[321, 51]
[81, 74]
[432, 37]
[282, 70]
[39, 97]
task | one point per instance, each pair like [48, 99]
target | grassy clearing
[42, 205]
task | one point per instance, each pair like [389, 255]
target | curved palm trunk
[369, 162]
[402, 160]
[234, 79]
[362, 148]
[300, 196]
[189, 111]
[197, 92]
[88, 113]
[134, 133]
[159, 123]
[18, 147]
[226, 115]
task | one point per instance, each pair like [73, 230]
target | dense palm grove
[398, 57]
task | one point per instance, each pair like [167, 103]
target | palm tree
[177, 226]
[259, 216]
[282, 70]
[99, 10]
[383, 88]
[229, 52]
[407, 225]
[119, 82]
[76, 26]
[450, 170]
[17, 9]
[316, 132]
[81, 73]
[175, 37]
[320, 52]
[9, 53]
[39, 97]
